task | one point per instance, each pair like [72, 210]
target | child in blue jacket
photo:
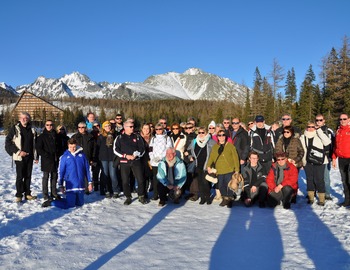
[73, 168]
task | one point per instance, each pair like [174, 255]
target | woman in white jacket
[314, 142]
[178, 139]
[157, 151]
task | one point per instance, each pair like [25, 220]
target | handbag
[212, 177]
[116, 161]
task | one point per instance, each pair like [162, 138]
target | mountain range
[193, 84]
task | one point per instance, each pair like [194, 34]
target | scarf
[280, 173]
[202, 142]
[170, 170]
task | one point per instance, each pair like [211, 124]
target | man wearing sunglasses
[286, 120]
[129, 147]
[342, 152]
[321, 123]
[240, 140]
[46, 147]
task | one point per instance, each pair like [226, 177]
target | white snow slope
[105, 234]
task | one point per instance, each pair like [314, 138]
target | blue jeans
[327, 180]
[109, 176]
[223, 180]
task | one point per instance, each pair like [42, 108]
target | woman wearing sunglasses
[314, 142]
[199, 151]
[224, 159]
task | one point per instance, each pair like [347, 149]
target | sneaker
[18, 199]
[108, 195]
[128, 201]
[115, 196]
[161, 203]
[30, 197]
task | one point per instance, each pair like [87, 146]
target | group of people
[167, 162]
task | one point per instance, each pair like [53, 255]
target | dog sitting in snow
[236, 180]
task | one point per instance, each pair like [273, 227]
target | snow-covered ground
[108, 235]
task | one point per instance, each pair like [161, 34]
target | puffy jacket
[342, 143]
[179, 172]
[158, 145]
[72, 169]
[290, 178]
[294, 150]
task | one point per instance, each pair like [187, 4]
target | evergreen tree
[307, 102]
[247, 110]
[290, 93]
[257, 99]
[268, 109]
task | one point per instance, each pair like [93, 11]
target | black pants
[136, 168]
[285, 195]
[260, 194]
[24, 176]
[53, 183]
[315, 177]
[155, 182]
[344, 169]
[203, 185]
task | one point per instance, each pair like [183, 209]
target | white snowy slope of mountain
[8, 88]
[46, 87]
[192, 84]
[82, 86]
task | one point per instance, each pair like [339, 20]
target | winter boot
[311, 197]
[225, 201]
[142, 199]
[321, 199]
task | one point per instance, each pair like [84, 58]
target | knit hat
[212, 123]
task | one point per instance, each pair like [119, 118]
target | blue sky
[119, 41]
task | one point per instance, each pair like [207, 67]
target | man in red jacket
[282, 181]
[342, 152]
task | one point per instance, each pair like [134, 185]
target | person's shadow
[320, 243]
[249, 240]
[153, 222]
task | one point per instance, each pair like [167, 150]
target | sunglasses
[343, 119]
[163, 123]
[226, 122]
[235, 123]
[118, 118]
[175, 128]
[279, 159]
[310, 126]
[221, 135]
[211, 128]
[188, 127]
[201, 132]
[49, 125]
[159, 129]
[81, 127]
[286, 131]
[285, 119]
[130, 126]
[319, 120]
[251, 123]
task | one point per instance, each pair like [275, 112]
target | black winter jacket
[241, 142]
[87, 142]
[46, 146]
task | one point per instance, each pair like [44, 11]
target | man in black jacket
[129, 147]
[87, 142]
[240, 140]
[46, 147]
[20, 144]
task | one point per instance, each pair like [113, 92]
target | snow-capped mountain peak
[193, 71]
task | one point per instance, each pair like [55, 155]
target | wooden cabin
[38, 108]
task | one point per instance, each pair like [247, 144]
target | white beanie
[212, 123]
